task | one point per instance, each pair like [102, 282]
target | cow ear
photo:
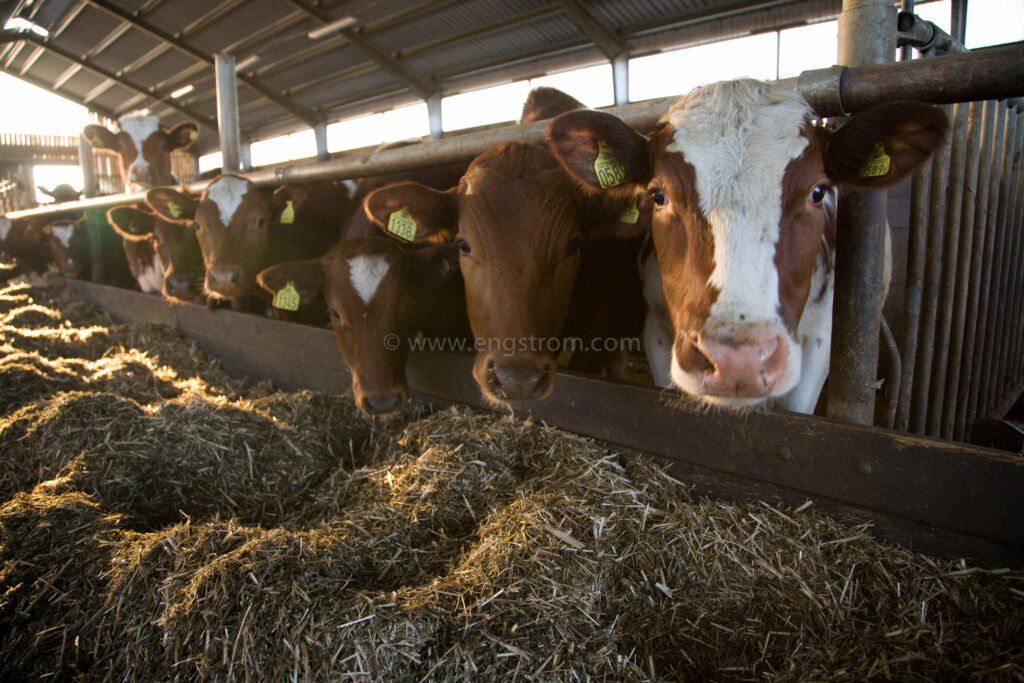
[100, 137]
[413, 213]
[882, 144]
[285, 201]
[183, 135]
[48, 193]
[307, 277]
[435, 264]
[171, 205]
[130, 223]
[599, 150]
[617, 217]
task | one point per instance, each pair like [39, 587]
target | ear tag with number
[174, 209]
[877, 164]
[97, 142]
[609, 169]
[288, 298]
[631, 214]
[402, 225]
[193, 134]
[288, 214]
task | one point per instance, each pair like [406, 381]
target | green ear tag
[609, 169]
[288, 298]
[630, 214]
[132, 228]
[402, 225]
[288, 214]
[97, 142]
[174, 210]
[193, 134]
[877, 164]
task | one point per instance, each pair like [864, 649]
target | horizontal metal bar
[912, 487]
[990, 74]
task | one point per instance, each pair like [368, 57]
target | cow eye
[818, 193]
[463, 246]
[658, 197]
[259, 222]
[574, 246]
[334, 313]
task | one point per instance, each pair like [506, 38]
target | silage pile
[163, 521]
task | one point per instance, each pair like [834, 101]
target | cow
[243, 229]
[61, 193]
[26, 242]
[744, 189]
[521, 226]
[379, 294]
[164, 257]
[143, 146]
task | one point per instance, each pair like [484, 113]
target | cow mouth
[515, 383]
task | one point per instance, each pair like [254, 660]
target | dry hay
[188, 533]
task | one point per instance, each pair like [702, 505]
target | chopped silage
[163, 521]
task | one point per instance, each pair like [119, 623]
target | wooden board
[939, 497]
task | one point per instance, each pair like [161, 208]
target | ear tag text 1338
[402, 225]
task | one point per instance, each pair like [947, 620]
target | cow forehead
[139, 127]
[227, 193]
[366, 273]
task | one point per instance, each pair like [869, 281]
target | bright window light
[208, 162]
[354, 133]
[182, 91]
[680, 71]
[19, 24]
[498, 104]
[590, 85]
[406, 123]
[299, 145]
[52, 176]
[814, 46]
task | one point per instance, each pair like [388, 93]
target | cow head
[744, 191]
[144, 147]
[176, 249]
[518, 223]
[379, 294]
[61, 193]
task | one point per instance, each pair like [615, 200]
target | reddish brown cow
[520, 224]
[144, 147]
[379, 294]
[243, 229]
[744, 193]
[164, 257]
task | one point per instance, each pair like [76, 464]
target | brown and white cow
[744, 192]
[520, 224]
[380, 293]
[164, 257]
[144, 147]
[243, 229]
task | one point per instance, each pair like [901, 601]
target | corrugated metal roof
[114, 56]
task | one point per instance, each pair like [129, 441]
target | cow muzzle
[518, 379]
[733, 362]
[227, 282]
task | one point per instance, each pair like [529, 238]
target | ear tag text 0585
[288, 298]
[609, 168]
[402, 225]
[877, 164]
[288, 214]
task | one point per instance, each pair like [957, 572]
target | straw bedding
[163, 521]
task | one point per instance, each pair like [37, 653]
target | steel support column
[867, 35]
[227, 114]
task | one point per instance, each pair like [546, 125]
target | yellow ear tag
[630, 214]
[288, 298]
[174, 210]
[288, 214]
[193, 134]
[97, 142]
[877, 164]
[402, 225]
[609, 169]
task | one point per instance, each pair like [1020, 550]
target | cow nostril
[380, 405]
[695, 360]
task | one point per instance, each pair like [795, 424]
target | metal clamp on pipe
[924, 35]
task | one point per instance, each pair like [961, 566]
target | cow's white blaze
[227, 193]
[151, 279]
[739, 137]
[138, 126]
[63, 232]
[366, 274]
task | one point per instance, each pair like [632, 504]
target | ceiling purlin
[304, 114]
[594, 28]
[417, 82]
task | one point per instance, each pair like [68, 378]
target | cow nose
[521, 382]
[382, 405]
[177, 284]
[736, 362]
[223, 277]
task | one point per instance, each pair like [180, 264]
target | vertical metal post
[227, 113]
[1008, 292]
[620, 78]
[434, 114]
[907, 51]
[867, 35]
[320, 134]
[245, 149]
[1017, 300]
[88, 165]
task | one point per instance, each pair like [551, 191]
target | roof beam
[46, 86]
[86, 62]
[594, 28]
[415, 81]
[305, 114]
